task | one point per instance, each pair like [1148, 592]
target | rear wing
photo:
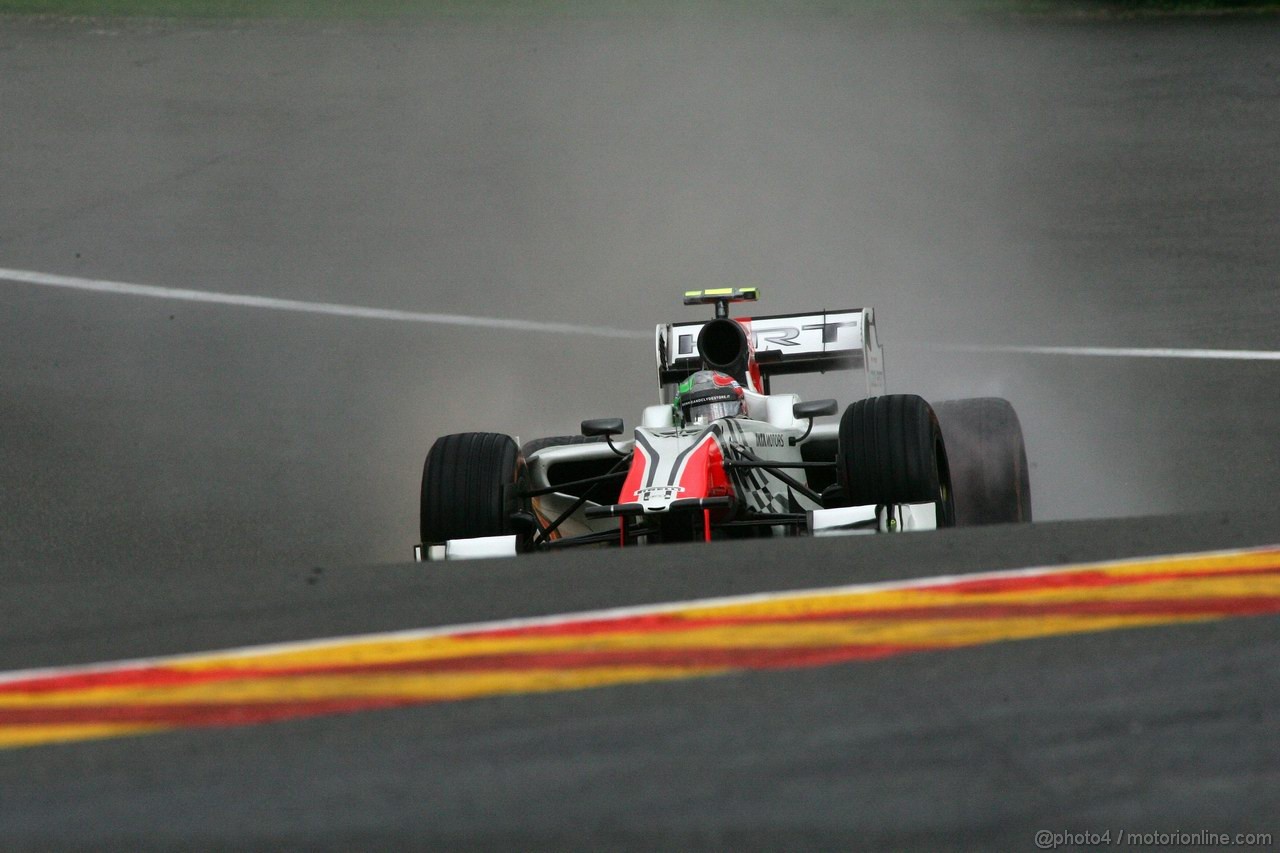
[784, 344]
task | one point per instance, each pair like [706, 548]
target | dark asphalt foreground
[1129, 730]
[176, 477]
[1146, 730]
[152, 613]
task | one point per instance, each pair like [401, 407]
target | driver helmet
[706, 396]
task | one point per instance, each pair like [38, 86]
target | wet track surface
[181, 477]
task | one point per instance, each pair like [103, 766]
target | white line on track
[274, 304]
[1117, 352]
[610, 614]
[365, 313]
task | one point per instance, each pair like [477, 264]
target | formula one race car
[724, 457]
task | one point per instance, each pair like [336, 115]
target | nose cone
[659, 498]
[673, 466]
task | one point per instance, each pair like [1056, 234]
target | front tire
[469, 485]
[891, 451]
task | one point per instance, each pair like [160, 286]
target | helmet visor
[705, 413]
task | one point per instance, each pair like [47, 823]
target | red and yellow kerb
[682, 640]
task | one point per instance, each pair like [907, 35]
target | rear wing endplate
[785, 344]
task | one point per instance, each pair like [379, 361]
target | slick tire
[469, 485]
[988, 461]
[891, 451]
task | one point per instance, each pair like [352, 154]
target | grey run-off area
[174, 473]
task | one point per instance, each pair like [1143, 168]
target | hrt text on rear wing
[784, 344]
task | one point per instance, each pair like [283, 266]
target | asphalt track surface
[181, 477]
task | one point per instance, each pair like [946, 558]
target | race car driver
[706, 396]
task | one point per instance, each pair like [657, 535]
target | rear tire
[988, 461]
[469, 484]
[891, 451]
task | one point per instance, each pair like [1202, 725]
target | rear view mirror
[813, 409]
[607, 426]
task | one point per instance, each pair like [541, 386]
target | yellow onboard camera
[721, 297]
